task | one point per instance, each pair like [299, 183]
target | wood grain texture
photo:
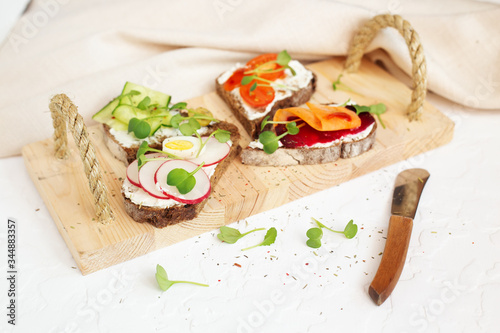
[393, 259]
[244, 190]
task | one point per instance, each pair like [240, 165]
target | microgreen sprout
[337, 85]
[183, 180]
[315, 234]
[349, 232]
[164, 283]
[144, 148]
[269, 139]
[140, 128]
[376, 109]
[231, 235]
[269, 239]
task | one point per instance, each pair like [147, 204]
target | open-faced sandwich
[175, 155]
[313, 135]
[262, 86]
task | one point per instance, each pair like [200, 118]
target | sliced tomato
[259, 97]
[234, 80]
[266, 62]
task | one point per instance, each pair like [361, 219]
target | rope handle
[63, 110]
[419, 68]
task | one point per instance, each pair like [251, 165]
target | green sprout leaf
[143, 105]
[140, 128]
[269, 141]
[376, 109]
[183, 180]
[133, 93]
[283, 58]
[314, 235]
[180, 105]
[247, 79]
[254, 86]
[292, 128]
[231, 235]
[269, 239]
[314, 243]
[164, 283]
[222, 135]
[176, 120]
[264, 123]
[349, 232]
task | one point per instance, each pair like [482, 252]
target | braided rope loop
[419, 68]
[64, 111]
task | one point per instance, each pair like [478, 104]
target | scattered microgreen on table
[164, 283]
[315, 234]
[269, 239]
[231, 235]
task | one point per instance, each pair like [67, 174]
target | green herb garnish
[376, 109]
[349, 232]
[164, 283]
[269, 239]
[143, 105]
[231, 235]
[315, 234]
[337, 85]
[144, 148]
[140, 128]
[183, 180]
[269, 139]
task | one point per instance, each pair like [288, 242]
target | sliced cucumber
[117, 125]
[104, 115]
[157, 97]
[125, 112]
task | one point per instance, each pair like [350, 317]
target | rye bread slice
[305, 156]
[253, 126]
[162, 217]
[128, 154]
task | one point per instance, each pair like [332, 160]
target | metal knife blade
[407, 191]
[408, 188]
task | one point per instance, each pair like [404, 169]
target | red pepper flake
[287, 274]
[472, 242]
[237, 265]
[307, 264]
[218, 280]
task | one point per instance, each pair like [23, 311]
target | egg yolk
[179, 145]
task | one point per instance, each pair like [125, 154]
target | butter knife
[407, 191]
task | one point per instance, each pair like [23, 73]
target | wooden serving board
[244, 190]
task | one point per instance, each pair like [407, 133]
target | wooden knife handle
[393, 259]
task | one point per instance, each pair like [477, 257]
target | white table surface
[450, 283]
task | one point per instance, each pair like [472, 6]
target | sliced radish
[147, 179]
[201, 190]
[133, 170]
[213, 153]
